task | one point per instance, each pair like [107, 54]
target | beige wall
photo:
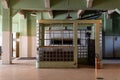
[27, 46]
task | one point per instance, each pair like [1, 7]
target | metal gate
[86, 46]
[57, 48]
[65, 46]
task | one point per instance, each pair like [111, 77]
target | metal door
[112, 47]
[108, 47]
[116, 47]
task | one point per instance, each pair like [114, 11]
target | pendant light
[68, 16]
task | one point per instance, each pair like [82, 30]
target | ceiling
[63, 5]
[56, 8]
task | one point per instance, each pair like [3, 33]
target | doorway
[86, 45]
[15, 52]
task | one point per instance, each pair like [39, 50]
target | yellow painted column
[98, 62]
[75, 38]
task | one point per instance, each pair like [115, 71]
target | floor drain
[99, 78]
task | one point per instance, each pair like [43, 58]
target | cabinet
[112, 47]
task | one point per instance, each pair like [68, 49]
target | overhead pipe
[93, 16]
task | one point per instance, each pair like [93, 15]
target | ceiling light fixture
[68, 16]
[33, 13]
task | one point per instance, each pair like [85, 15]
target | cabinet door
[117, 46]
[108, 47]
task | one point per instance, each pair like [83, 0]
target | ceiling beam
[47, 4]
[79, 13]
[5, 4]
[89, 3]
[112, 11]
[51, 14]
[117, 10]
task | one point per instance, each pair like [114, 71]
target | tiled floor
[26, 70]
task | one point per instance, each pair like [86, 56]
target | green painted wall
[26, 26]
[111, 24]
[116, 24]
[0, 8]
[46, 15]
[106, 24]
[16, 23]
[0, 26]
[23, 27]
[109, 28]
[6, 20]
[31, 25]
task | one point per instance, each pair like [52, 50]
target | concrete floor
[111, 70]
[26, 70]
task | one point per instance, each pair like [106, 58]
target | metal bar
[70, 21]
[97, 37]
[75, 25]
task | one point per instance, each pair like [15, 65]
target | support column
[0, 25]
[98, 60]
[28, 36]
[31, 28]
[6, 36]
[23, 38]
